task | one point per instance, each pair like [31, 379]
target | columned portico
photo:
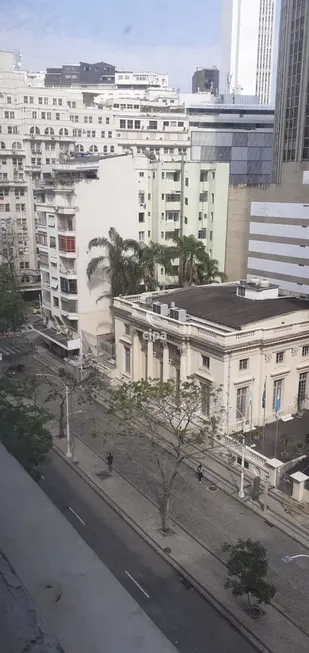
[150, 359]
[136, 356]
[166, 362]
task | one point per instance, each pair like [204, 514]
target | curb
[226, 613]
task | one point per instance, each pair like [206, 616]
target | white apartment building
[247, 49]
[242, 337]
[145, 199]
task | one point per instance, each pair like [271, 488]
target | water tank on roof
[264, 283]
[255, 281]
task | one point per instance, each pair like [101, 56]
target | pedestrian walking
[199, 472]
[110, 459]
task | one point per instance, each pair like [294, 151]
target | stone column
[150, 359]
[136, 356]
[183, 362]
[166, 362]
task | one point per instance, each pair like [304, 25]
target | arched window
[2, 145]
[34, 130]
[49, 131]
[105, 149]
[16, 146]
[63, 131]
[79, 148]
[93, 148]
[112, 148]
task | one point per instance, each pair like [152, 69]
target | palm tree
[209, 271]
[195, 265]
[150, 256]
[120, 263]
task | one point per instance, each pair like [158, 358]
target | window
[205, 361]
[127, 360]
[202, 233]
[279, 356]
[213, 175]
[141, 217]
[123, 124]
[137, 124]
[277, 394]
[130, 124]
[181, 124]
[66, 243]
[68, 286]
[107, 121]
[63, 131]
[112, 149]
[305, 350]
[244, 364]
[9, 114]
[186, 201]
[93, 149]
[141, 236]
[204, 196]
[52, 242]
[205, 398]
[102, 134]
[212, 198]
[127, 329]
[203, 175]
[210, 236]
[110, 134]
[153, 124]
[141, 174]
[187, 181]
[56, 301]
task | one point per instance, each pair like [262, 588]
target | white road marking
[137, 585]
[77, 516]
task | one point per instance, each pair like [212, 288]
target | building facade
[81, 74]
[80, 199]
[247, 47]
[292, 99]
[241, 337]
[239, 135]
[206, 80]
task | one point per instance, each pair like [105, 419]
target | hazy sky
[173, 36]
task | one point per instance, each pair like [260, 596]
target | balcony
[68, 272]
[69, 229]
[65, 210]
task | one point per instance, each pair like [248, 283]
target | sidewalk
[275, 632]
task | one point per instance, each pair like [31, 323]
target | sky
[173, 36]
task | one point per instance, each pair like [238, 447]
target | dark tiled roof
[220, 304]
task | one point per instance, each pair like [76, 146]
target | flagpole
[277, 428]
[264, 416]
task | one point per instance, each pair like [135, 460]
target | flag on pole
[277, 403]
[264, 396]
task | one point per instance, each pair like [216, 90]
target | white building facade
[248, 47]
[80, 199]
[268, 350]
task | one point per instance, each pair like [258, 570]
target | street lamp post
[288, 559]
[69, 453]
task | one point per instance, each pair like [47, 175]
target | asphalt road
[182, 614]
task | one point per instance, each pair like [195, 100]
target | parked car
[14, 370]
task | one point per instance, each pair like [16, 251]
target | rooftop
[218, 303]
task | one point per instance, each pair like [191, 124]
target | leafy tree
[12, 309]
[24, 431]
[119, 264]
[209, 271]
[81, 389]
[247, 570]
[181, 415]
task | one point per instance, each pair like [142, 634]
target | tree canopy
[12, 308]
[182, 420]
[24, 431]
[247, 570]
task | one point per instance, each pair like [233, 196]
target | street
[181, 613]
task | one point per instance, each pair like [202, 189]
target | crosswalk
[11, 350]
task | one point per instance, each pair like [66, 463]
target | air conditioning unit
[160, 309]
[178, 314]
